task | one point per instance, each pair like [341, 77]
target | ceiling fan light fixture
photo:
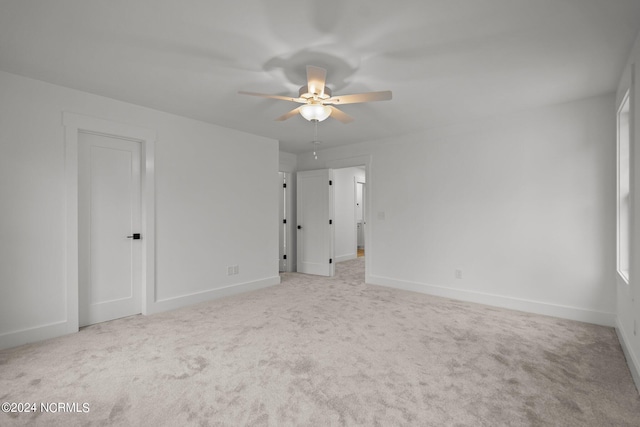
[317, 101]
[317, 112]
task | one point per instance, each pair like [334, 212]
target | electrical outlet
[458, 273]
[230, 270]
[236, 269]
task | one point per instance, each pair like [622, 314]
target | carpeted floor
[327, 351]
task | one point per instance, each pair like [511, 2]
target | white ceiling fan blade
[316, 79]
[264, 95]
[339, 115]
[288, 115]
[384, 95]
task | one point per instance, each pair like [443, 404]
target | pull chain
[315, 139]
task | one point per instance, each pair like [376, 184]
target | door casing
[73, 124]
[369, 244]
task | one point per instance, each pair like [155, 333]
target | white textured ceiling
[446, 61]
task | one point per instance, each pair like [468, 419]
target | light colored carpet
[318, 351]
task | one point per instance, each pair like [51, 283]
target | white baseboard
[37, 333]
[346, 257]
[529, 306]
[632, 359]
[198, 297]
[53, 330]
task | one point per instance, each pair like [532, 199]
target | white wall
[628, 295]
[522, 203]
[288, 162]
[216, 205]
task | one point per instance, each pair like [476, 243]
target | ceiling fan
[317, 100]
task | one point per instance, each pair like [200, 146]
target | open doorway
[361, 166]
[350, 190]
[360, 216]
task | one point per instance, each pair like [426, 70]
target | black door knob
[299, 227]
[136, 236]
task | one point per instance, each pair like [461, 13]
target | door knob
[299, 227]
[135, 236]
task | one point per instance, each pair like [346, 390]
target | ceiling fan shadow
[192, 53]
[294, 67]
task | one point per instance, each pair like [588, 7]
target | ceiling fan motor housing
[304, 93]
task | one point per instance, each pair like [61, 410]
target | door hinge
[330, 182]
[284, 256]
[284, 185]
[330, 221]
[284, 221]
[330, 260]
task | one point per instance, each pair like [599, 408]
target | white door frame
[365, 160]
[289, 225]
[75, 123]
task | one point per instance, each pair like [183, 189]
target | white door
[315, 222]
[282, 222]
[360, 213]
[108, 216]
